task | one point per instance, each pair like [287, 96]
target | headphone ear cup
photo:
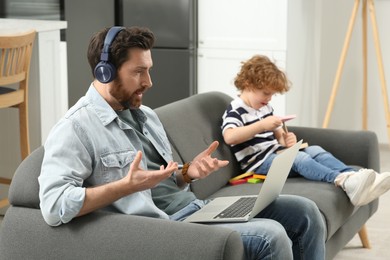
[105, 72]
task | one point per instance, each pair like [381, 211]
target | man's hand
[203, 164]
[138, 179]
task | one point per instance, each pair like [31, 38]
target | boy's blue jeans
[289, 228]
[313, 163]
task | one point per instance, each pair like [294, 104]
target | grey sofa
[191, 124]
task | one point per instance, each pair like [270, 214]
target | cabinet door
[217, 69]
[238, 24]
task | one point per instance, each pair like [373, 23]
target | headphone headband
[111, 34]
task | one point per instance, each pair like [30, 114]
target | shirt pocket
[116, 164]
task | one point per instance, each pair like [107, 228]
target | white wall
[302, 59]
[316, 32]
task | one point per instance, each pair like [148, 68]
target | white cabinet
[237, 24]
[231, 31]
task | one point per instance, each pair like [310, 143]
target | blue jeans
[289, 228]
[313, 163]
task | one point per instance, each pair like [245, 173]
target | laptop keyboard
[238, 209]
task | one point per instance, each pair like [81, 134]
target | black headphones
[105, 71]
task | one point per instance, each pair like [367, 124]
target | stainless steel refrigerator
[174, 24]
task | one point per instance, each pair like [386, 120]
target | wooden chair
[15, 58]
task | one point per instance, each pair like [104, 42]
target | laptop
[218, 210]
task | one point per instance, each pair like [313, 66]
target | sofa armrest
[358, 148]
[102, 235]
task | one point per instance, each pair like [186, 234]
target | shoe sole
[378, 190]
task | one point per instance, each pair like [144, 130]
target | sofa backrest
[192, 124]
[24, 189]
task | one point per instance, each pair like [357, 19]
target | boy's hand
[270, 123]
[289, 139]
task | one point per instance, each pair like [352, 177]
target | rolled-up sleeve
[66, 164]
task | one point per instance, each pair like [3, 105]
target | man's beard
[133, 102]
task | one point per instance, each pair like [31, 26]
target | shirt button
[146, 132]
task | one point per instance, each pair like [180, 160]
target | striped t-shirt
[252, 153]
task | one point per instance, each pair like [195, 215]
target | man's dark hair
[129, 37]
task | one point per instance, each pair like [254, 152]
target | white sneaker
[357, 185]
[380, 186]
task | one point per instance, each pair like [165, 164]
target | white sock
[341, 178]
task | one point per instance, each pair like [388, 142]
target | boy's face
[260, 97]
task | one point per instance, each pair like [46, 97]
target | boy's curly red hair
[260, 72]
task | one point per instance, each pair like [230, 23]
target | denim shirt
[91, 146]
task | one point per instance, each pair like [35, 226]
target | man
[110, 152]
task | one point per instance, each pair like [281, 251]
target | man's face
[133, 79]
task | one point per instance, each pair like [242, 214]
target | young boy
[256, 135]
